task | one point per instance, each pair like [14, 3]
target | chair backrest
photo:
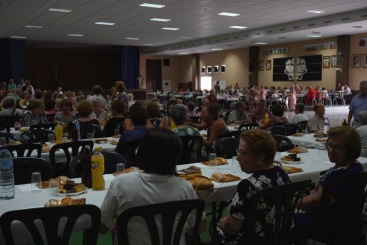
[127, 149]
[292, 128]
[50, 117]
[44, 126]
[110, 161]
[191, 149]
[37, 135]
[283, 143]
[8, 136]
[278, 130]
[195, 119]
[49, 219]
[113, 124]
[21, 149]
[285, 199]
[231, 134]
[91, 128]
[171, 229]
[76, 147]
[25, 166]
[353, 199]
[247, 126]
[6, 122]
[226, 147]
[303, 125]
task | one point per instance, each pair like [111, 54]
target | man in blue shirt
[358, 103]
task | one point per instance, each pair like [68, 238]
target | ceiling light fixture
[105, 23]
[39, 27]
[315, 11]
[171, 28]
[357, 27]
[132, 38]
[186, 37]
[20, 37]
[160, 19]
[238, 27]
[260, 43]
[216, 49]
[151, 5]
[75, 35]
[60, 10]
[314, 35]
[149, 44]
[228, 14]
[183, 53]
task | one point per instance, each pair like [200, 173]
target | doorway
[154, 74]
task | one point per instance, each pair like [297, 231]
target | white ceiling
[270, 21]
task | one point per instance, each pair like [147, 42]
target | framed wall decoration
[215, 69]
[223, 68]
[355, 61]
[261, 65]
[208, 69]
[203, 69]
[268, 65]
[326, 62]
[334, 61]
[365, 61]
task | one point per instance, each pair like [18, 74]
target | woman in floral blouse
[256, 155]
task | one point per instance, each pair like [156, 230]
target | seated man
[299, 117]
[238, 115]
[316, 122]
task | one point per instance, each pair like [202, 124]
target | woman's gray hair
[362, 117]
[100, 101]
[8, 102]
[179, 114]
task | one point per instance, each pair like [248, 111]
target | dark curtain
[130, 66]
[12, 60]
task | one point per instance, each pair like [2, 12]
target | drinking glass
[212, 160]
[120, 168]
[234, 163]
[36, 182]
[117, 132]
[53, 190]
[51, 138]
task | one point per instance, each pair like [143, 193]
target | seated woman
[277, 118]
[98, 112]
[35, 114]
[167, 121]
[66, 114]
[343, 148]
[85, 109]
[9, 108]
[153, 114]
[118, 113]
[256, 156]
[157, 157]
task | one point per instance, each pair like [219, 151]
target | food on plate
[23, 129]
[114, 142]
[320, 135]
[218, 177]
[15, 142]
[43, 184]
[191, 170]
[63, 180]
[45, 149]
[203, 135]
[116, 136]
[297, 134]
[100, 141]
[67, 201]
[291, 170]
[291, 158]
[198, 181]
[219, 160]
[321, 139]
[128, 170]
[298, 149]
[70, 187]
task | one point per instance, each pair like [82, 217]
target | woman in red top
[212, 97]
[310, 96]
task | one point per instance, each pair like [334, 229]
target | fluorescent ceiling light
[228, 14]
[186, 37]
[60, 10]
[183, 53]
[260, 43]
[160, 19]
[216, 49]
[28, 26]
[171, 28]
[314, 35]
[315, 11]
[20, 37]
[238, 27]
[75, 35]
[149, 44]
[105, 23]
[132, 38]
[357, 27]
[151, 5]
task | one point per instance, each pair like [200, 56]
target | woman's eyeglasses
[241, 153]
[335, 147]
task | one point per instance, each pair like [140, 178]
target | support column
[195, 64]
[343, 61]
[254, 65]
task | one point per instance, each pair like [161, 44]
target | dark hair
[240, 104]
[159, 151]
[66, 103]
[97, 89]
[118, 106]
[8, 102]
[351, 138]
[85, 108]
[212, 110]
[171, 102]
[35, 104]
[152, 109]
[190, 106]
[277, 110]
[300, 107]
[38, 94]
[139, 116]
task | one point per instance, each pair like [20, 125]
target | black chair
[25, 166]
[278, 130]
[231, 134]
[191, 149]
[36, 135]
[226, 115]
[155, 122]
[91, 128]
[226, 147]
[6, 122]
[50, 126]
[21, 149]
[128, 149]
[70, 150]
[353, 197]
[51, 220]
[195, 119]
[247, 126]
[8, 136]
[283, 143]
[285, 199]
[169, 211]
[111, 125]
[303, 125]
[50, 117]
[292, 128]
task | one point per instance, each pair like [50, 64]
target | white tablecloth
[308, 141]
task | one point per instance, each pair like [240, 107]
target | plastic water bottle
[7, 190]
[77, 126]
[326, 125]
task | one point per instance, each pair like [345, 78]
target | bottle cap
[97, 148]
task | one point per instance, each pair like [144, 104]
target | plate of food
[128, 170]
[73, 189]
[320, 135]
[219, 161]
[297, 150]
[203, 135]
[297, 134]
[114, 142]
[321, 139]
[218, 177]
[67, 201]
[190, 170]
[100, 141]
[23, 129]
[291, 159]
[291, 170]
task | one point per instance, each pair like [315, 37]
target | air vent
[295, 27]
[345, 19]
[235, 37]
[256, 34]
[311, 24]
[217, 40]
[282, 29]
[269, 31]
[327, 22]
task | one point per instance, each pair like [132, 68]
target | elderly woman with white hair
[362, 131]
[98, 113]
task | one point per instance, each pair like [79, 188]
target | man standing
[358, 103]
[238, 115]
[316, 122]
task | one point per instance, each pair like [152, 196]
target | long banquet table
[307, 140]
[313, 162]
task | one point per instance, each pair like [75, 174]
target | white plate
[291, 162]
[75, 193]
